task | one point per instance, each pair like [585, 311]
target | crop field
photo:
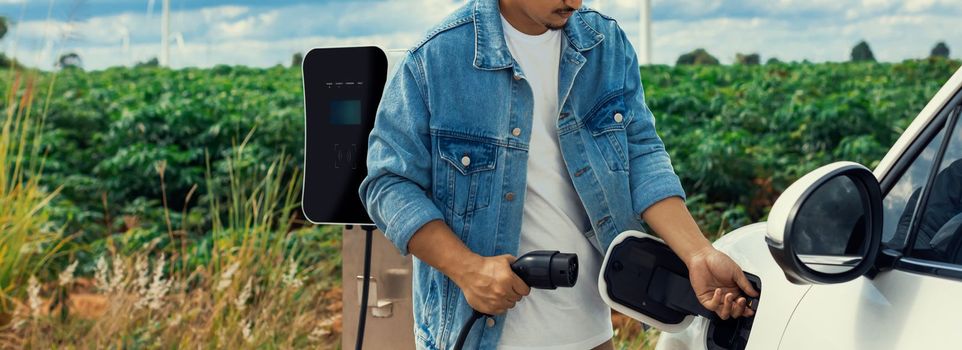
[156, 208]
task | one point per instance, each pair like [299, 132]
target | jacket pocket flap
[607, 116]
[468, 156]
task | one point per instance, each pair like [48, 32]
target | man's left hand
[718, 283]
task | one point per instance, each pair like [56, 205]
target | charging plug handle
[545, 269]
[542, 269]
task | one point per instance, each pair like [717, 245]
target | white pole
[164, 33]
[644, 32]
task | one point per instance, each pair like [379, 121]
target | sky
[109, 33]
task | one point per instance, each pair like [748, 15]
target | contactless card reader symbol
[345, 156]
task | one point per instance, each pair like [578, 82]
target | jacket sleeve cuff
[655, 189]
[407, 221]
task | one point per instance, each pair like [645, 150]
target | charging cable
[365, 288]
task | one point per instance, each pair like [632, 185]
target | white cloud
[816, 30]
[229, 34]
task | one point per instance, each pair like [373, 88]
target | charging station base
[390, 318]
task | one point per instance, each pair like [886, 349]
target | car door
[913, 296]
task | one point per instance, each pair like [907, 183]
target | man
[519, 125]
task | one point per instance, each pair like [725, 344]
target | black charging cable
[365, 288]
[466, 329]
[541, 269]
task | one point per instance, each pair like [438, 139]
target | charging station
[342, 88]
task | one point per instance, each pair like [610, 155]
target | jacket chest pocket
[606, 123]
[463, 174]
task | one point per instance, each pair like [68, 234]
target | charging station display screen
[346, 112]
[342, 88]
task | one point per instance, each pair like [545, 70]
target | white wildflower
[290, 279]
[117, 277]
[246, 332]
[66, 277]
[143, 281]
[33, 296]
[159, 287]
[226, 277]
[241, 301]
[322, 330]
[102, 274]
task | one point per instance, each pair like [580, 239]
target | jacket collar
[491, 51]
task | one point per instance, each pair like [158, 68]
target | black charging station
[342, 88]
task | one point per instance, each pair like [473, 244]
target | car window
[900, 203]
[939, 236]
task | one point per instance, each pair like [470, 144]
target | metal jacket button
[490, 322]
[517, 77]
[465, 161]
[509, 196]
[618, 117]
[516, 132]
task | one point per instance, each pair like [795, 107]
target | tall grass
[27, 241]
[252, 287]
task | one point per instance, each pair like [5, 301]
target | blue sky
[264, 33]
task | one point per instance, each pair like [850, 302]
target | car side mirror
[827, 226]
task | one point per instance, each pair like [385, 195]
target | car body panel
[779, 297]
[896, 310]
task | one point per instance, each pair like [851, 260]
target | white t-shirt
[554, 218]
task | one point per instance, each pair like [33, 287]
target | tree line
[861, 52]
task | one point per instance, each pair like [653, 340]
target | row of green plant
[738, 135]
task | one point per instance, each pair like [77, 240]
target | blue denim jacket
[444, 147]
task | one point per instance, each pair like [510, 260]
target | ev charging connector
[542, 269]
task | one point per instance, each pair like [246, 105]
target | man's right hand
[489, 285]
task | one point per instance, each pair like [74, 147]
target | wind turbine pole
[644, 32]
[164, 35]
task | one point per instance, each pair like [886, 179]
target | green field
[158, 208]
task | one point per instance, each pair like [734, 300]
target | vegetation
[160, 206]
[750, 59]
[296, 60]
[27, 238]
[862, 53]
[940, 50]
[739, 135]
[697, 57]
[70, 60]
[4, 26]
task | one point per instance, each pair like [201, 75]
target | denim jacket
[446, 145]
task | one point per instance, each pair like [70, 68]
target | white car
[849, 259]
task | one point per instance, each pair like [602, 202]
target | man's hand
[489, 285]
[716, 280]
